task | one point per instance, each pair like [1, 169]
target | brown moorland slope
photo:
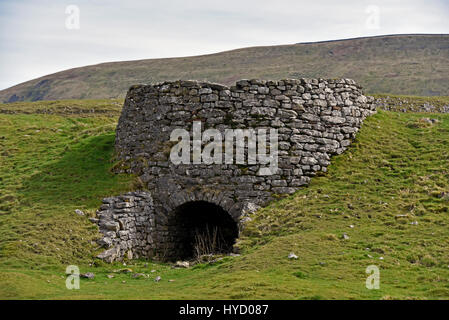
[395, 64]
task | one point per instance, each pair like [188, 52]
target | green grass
[110, 107]
[395, 173]
[49, 166]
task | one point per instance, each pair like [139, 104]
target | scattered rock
[87, 275]
[182, 264]
[215, 260]
[110, 276]
[429, 120]
[79, 212]
[157, 279]
[415, 223]
[291, 255]
[152, 271]
[345, 236]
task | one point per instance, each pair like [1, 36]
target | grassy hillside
[391, 186]
[402, 64]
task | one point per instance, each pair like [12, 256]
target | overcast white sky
[35, 40]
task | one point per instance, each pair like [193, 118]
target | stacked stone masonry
[315, 119]
[127, 223]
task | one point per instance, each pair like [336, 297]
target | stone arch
[218, 197]
[200, 227]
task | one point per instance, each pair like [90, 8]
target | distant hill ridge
[374, 37]
[416, 64]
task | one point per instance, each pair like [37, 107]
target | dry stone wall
[127, 223]
[314, 119]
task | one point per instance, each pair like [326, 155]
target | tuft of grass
[300, 275]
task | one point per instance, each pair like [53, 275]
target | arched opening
[203, 228]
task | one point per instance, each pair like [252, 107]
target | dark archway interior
[203, 228]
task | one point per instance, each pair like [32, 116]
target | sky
[39, 37]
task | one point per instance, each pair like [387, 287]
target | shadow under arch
[201, 227]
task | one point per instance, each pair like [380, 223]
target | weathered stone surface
[291, 255]
[88, 275]
[315, 119]
[110, 255]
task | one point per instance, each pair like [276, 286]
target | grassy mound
[389, 193]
